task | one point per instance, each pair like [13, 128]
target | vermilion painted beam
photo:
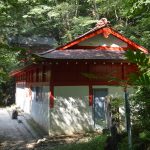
[80, 39]
[130, 42]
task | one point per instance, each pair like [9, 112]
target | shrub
[96, 143]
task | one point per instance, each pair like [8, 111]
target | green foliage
[7, 62]
[140, 114]
[138, 58]
[96, 143]
[123, 145]
[143, 63]
[141, 107]
[9, 57]
[65, 19]
[138, 142]
[140, 100]
[117, 102]
[145, 135]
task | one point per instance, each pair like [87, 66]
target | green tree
[143, 63]
[140, 100]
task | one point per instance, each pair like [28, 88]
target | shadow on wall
[71, 115]
[39, 106]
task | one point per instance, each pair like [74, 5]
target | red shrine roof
[101, 42]
[106, 31]
[102, 27]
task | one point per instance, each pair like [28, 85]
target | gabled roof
[75, 50]
[106, 31]
[70, 51]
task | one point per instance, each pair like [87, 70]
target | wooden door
[99, 108]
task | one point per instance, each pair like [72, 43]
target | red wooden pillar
[44, 74]
[123, 71]
[51, 103]
[90, 95]
[51, 96]
[37, 75]
[31, 75]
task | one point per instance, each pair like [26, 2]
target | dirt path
[13, 135]
[16, 136]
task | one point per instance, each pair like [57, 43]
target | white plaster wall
[71, 112]
[100, 40]
[23, 97]
[28, 98]
[115, 91]
[40, 109]
[20, 95]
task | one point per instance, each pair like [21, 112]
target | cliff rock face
[36, 43]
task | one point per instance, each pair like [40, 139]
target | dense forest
[65, 20]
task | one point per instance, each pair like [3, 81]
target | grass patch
[96, 143]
